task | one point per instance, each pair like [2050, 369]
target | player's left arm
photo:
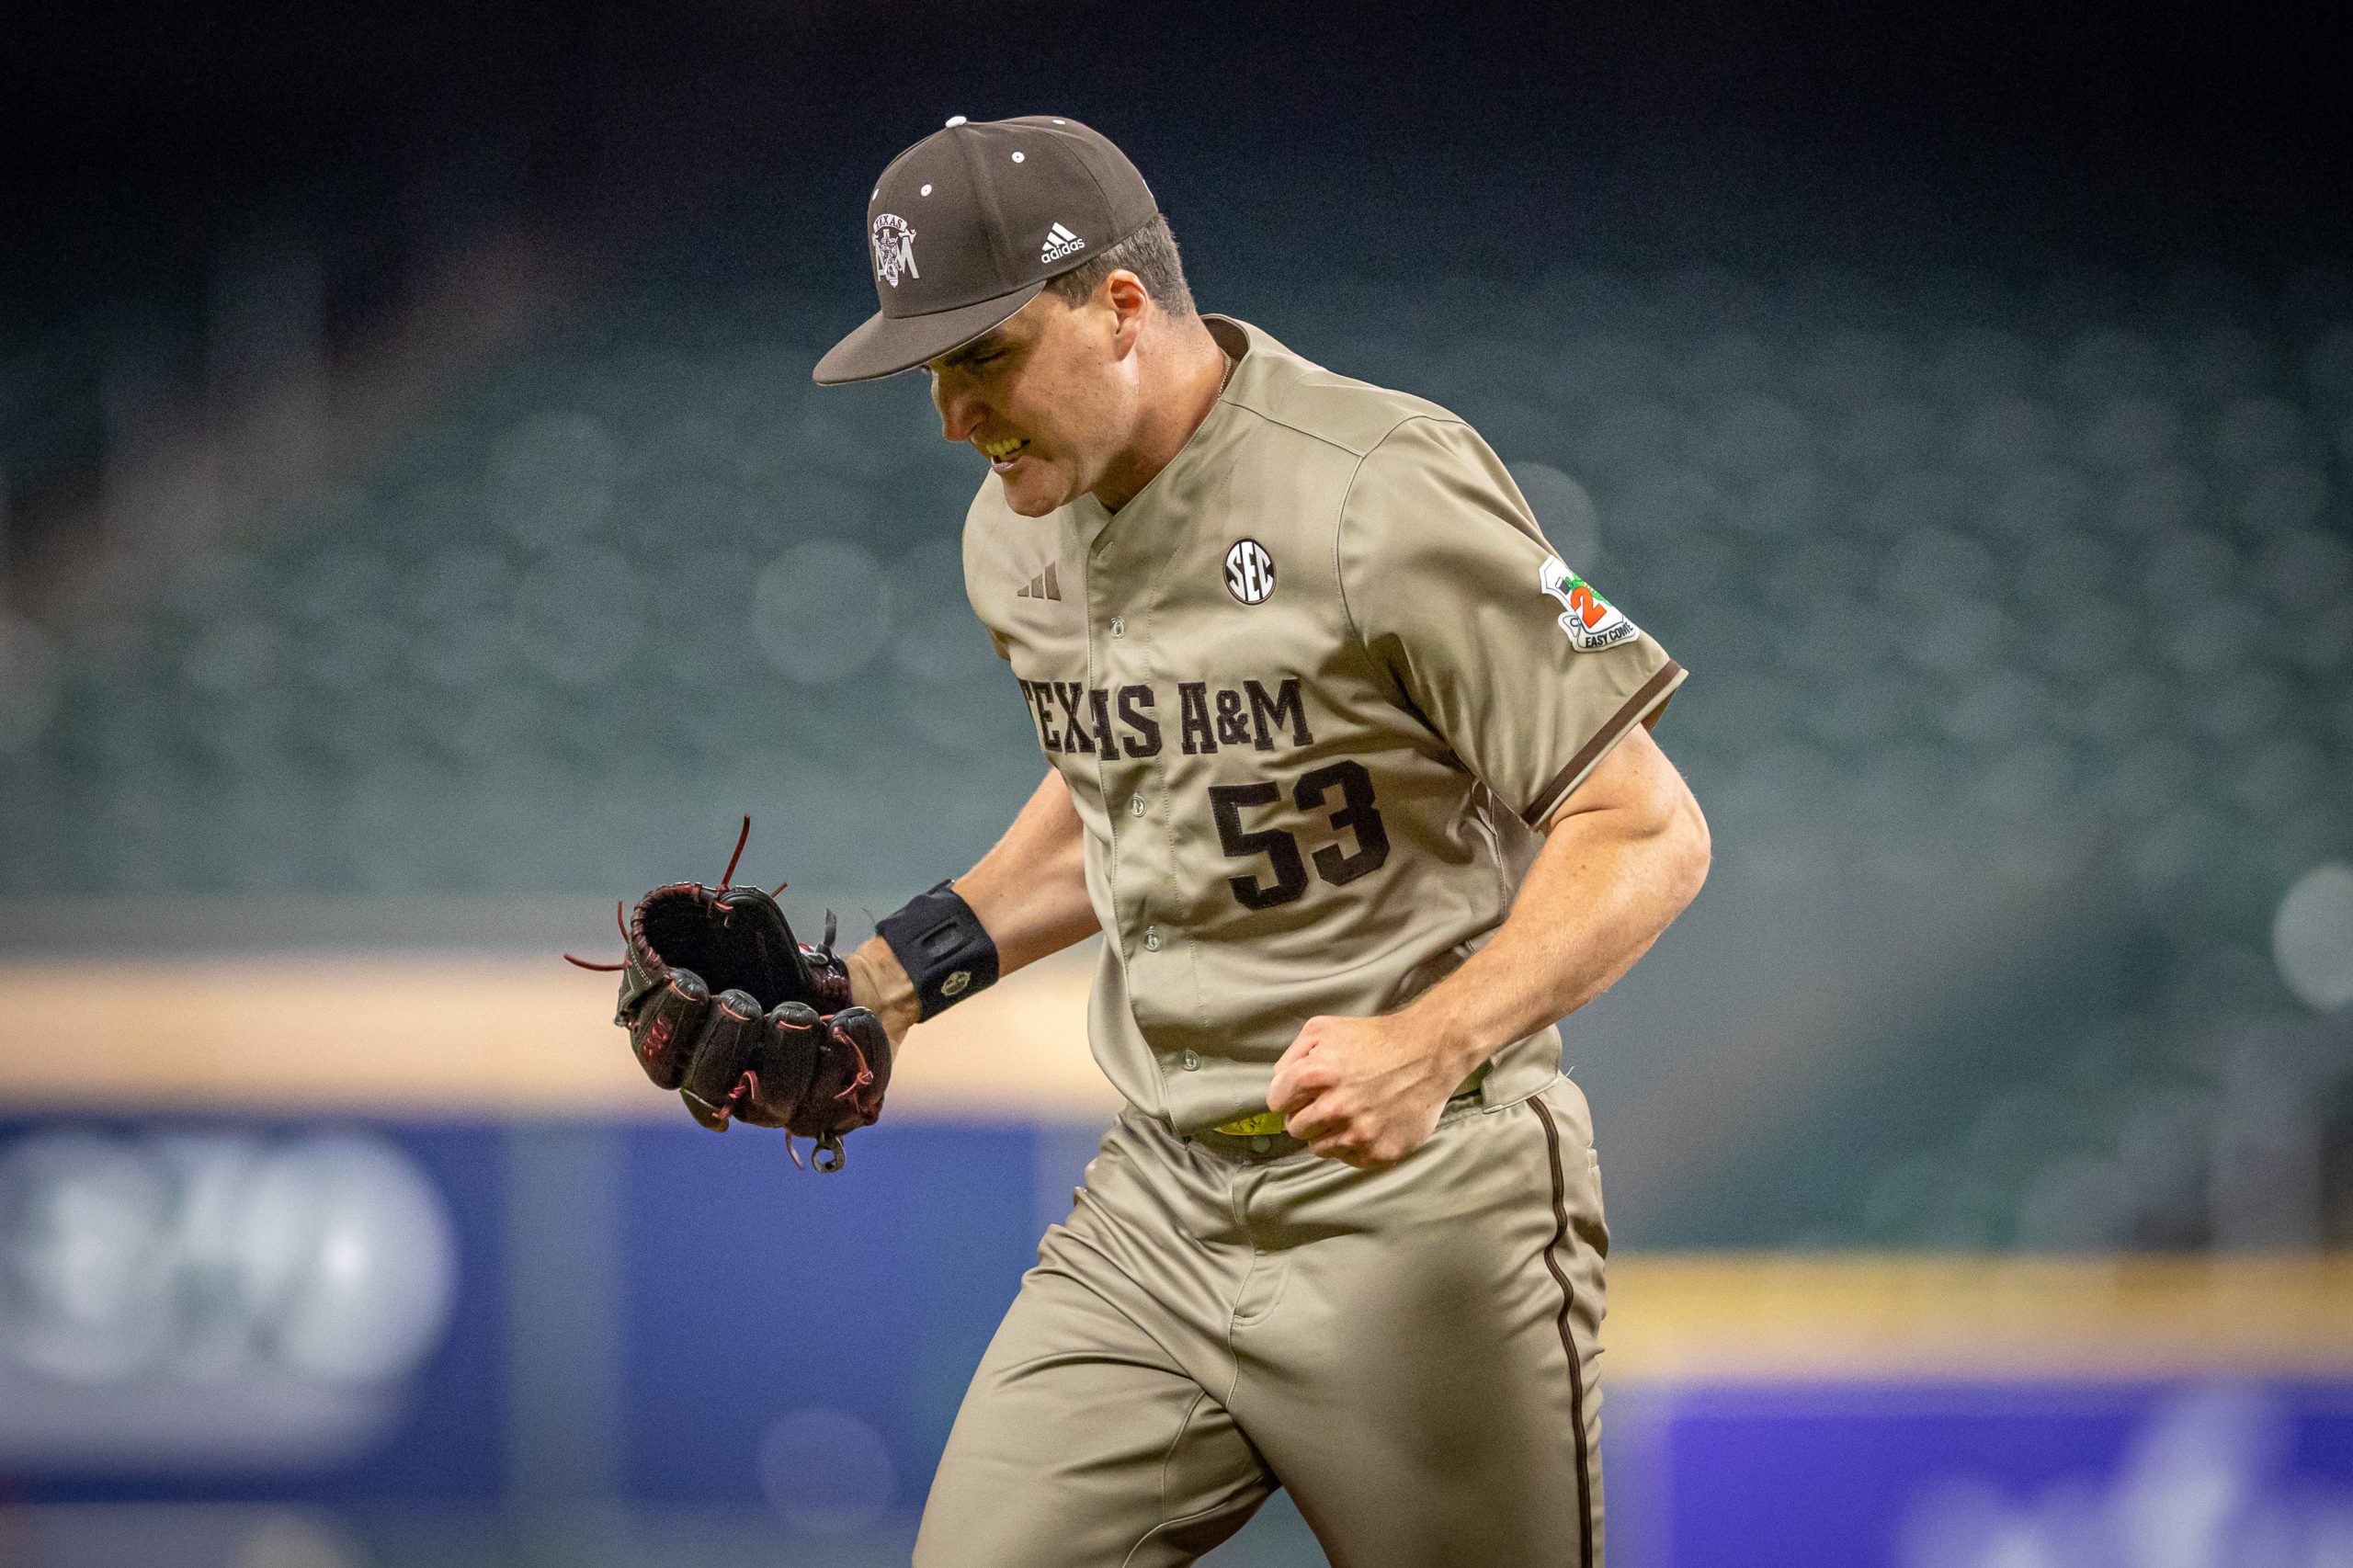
[1624, 852]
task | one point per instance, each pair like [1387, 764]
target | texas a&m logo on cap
[894, 248]
[1249, 571]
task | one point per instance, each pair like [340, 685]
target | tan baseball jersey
[1314, 690]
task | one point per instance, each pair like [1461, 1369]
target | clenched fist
[1365, 1091]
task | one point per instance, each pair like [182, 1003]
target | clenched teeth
[994, 450]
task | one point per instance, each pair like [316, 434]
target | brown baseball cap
[966, 226]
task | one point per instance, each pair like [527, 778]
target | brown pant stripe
[1568, 1344]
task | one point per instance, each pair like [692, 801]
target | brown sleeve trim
[1603, 739]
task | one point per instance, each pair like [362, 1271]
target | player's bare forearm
[1030, 892]
[1622, 857]
[1030, 889]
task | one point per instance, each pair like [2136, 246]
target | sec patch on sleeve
[1591, 621]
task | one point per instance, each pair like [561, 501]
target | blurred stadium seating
[1986, 579]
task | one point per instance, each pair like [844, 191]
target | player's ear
[1124, 296]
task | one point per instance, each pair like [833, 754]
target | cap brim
[884, 345]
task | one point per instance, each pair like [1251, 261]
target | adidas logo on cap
[1060, 243]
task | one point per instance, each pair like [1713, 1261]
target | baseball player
[1353, 775]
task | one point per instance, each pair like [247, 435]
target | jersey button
[1135, 805]
[1190, 1061]
[1151, 937]
[1118, 625]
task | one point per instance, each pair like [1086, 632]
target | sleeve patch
[1590, 621]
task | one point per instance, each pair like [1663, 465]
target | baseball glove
[723, 1005]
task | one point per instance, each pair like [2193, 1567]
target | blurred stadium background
[417, 527]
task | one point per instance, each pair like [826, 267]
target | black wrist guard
[941, 945]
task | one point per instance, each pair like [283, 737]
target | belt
[1269, 1123]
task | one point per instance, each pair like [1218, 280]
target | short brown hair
[1150, 253]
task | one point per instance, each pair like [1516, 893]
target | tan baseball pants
[1409, 1351]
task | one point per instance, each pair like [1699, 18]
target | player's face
[1043, 398]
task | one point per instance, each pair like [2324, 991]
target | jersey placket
[1099, 612]
[1121, 584]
